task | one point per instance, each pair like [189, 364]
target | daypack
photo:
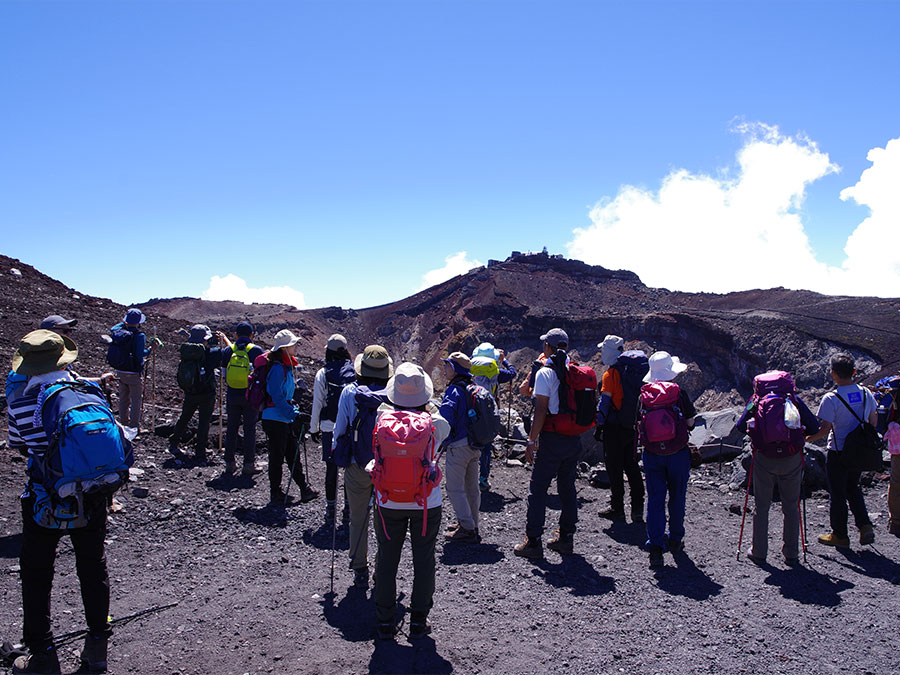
[405, 467]
[356, 443]
[192, 374]
[577, 397]
[257, 393]
[632, 366]
[87, 452]
[237, 372]
[337, 374]
[862, 446]
[485, 372]
[120, 353]
[662, 427]
[775, 428]
[482, 417]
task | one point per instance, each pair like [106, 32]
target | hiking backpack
[774, 428]
[661, 424]
[192, 375]
[632, 365]
[120, 353]
[337, 374]
[577, 397]
[237, 372]
[257, 393]
[486, 373]
[482, 417]
[87, 452]
[355, 444]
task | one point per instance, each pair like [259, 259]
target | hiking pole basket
[746, 498]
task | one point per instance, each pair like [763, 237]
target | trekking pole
[221, 405]
[509, 411]
[803, 509]
[143, 389]
[365, 527]
[333, 546]
[746, 498]
[75, 634]
[153, 382]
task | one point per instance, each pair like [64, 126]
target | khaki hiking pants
[358, 489]
[463, 466]
[786, 473]
[130, 396]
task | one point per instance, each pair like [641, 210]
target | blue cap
[244, 329]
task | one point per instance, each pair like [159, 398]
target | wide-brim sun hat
[43, 351]
[200, 333]
[488, 350]
[460, 362]
[374, 362]
[664, 367]
[284, 338]
[134, 316]
[410, 387]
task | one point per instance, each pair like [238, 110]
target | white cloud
[232, 287]
[721, 234]
[455, 264]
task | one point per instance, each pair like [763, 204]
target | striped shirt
[21, 408]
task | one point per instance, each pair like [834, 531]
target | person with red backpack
[406, 479]
[620, 387]
[665, 418]
[352, 449]
[777, 422]
[327, 387]
[565, 407]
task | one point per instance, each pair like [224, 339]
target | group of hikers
[385, 429]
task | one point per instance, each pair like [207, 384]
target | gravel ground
[252, 583]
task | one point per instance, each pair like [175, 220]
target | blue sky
[345, 150]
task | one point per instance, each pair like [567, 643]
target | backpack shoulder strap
[852, 411]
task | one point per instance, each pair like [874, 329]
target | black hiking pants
[284, 447]
[618, 448]
[205, 404]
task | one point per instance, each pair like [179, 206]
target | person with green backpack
[196, 376]
[238, 358]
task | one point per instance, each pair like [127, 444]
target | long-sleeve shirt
[454, 409]
[320, 393]
[280, 387]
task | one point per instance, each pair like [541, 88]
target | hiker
[281, 419]
[408, 391]
[617, 410]
[665, 419]
[554, 445]
[126, 355]
[490, 369]
[327, 387]
[892, 436]
[42, 357]
[462, 460]
[778, 435]
[197, 379]
[352, 448]
[840, 413]
[239, 357]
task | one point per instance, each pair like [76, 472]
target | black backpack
[632, 366]
[193, 376]
[337, 374]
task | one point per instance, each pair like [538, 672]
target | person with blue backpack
[617, 410]
[352, 448]
[238, 358]
[77, 456]
[126, 353]
[490, 369]
[327, 387]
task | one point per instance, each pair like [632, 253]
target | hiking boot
[562, 542]
[483, 485]
[307, 494]
[462, 534]
[616, 515]
[792, 562]
[831, 539]
[249, 470]
[530, 548]
[230, 467]
[41, 662]
[93, 655]
[676, 547]
[386, 631]
[755, 558]
[867, 535]
[177, 453]
[361, 577]
[418, 628]
[656, 557]
[277, 497]
[450, 530]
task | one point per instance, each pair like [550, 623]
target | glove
[598, 433]
[155, 342]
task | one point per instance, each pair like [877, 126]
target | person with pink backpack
[406, 479]
[777, 422]
[665, 419]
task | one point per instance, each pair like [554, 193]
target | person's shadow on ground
[468, 553]
[686, 580]
[419, 656]
[807, 585]
[270, 515]
[631, 534]
[574, 573]
[227, 482]
[354, 615]
[325, 536]
[11, 545]
[870, 562]
[495, 502]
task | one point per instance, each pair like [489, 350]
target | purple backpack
[767, 429]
